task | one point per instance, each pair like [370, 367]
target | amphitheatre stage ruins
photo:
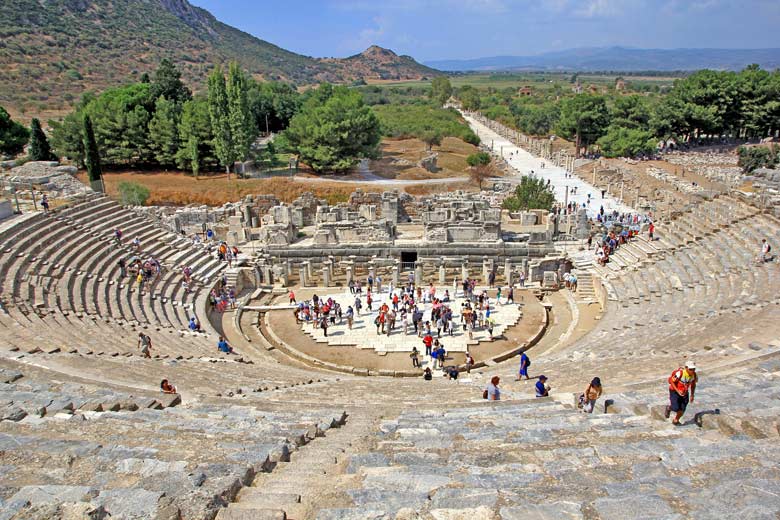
[296, 424]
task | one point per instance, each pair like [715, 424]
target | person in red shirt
[428, 342]
[682, 387]
[651, 230]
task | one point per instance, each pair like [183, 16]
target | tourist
[765, 250]
[368, 299]
[427, 374]
[223, 346]
[145, 344]
[492, 278]
[651, 231]
[350, 317]
[469, 362]
[370, 283]
[194, 324]
[324, 325]
[682, 387]
[591, 395]
[492, 392]
[45, 203]
[118, 236]
[166, 387]
[351, 287]
[378, 284]
[573, 282]
[452, 373]
[542, 388]
[428, 342]
[525, 362]
[358, 305]
[291, 296]
[415, 355]
[122, 268]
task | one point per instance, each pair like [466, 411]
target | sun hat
[691, 365]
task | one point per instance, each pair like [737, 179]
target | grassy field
[451, 161]
[533, 79]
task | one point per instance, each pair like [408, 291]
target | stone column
[418, 273]
[267, 274]
[348, 274]
[304, 276]
[442, 274]
[464, 269]
[309, 270]
[395, 275]
[328, 264]
[485, 269]
[508, 272]
[325, 276]
[371, 269]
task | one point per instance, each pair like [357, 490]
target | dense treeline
[158, 122]
[704, 106]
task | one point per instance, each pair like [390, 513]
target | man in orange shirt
[682, 387]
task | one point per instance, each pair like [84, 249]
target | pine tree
[167, 82]
[39, 145]
[164, 131]
[239, 116]
[91, 154]
[220, 121]
[195, 136]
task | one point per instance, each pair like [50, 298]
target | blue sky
[450, 29]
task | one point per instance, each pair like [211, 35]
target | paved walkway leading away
[523, 162]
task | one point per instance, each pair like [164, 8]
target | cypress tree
[91, 154]
[39, 145]
[220, 121]
[239, 116]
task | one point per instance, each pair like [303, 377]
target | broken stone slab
[13, 413]
[169, 400]
[554, 511]
[53, 494]
[251, 514]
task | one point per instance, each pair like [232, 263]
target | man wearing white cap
[682, 387]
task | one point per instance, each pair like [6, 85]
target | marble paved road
[523, 163]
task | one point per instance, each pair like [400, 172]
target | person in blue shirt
[223, 346]
[525, 362]
[542, 389]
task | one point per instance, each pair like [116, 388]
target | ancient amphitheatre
[301, 422]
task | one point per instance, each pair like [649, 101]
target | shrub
[133, 194]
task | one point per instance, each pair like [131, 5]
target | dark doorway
[408, 258]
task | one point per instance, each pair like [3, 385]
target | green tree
[272, 104]
[626, 142]
[219, 113]
[39, 146]
[585, 118]
[167, 83]
[431, 138]
[531, 193]
[196, 150]
[469, 98]
[630, 112]
[91, 154]
[334, 129]
[164, 131]
[133, 194]
[753, 157]
[13, 136]
[242, 129]
[441, 89]
[478, 159]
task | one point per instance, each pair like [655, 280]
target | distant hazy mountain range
[620, 59]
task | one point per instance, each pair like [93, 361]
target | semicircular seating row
[60, 285]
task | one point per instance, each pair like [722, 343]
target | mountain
[621, 59]
[378, 63]
[52, 51]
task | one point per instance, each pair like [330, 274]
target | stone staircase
[510, 460]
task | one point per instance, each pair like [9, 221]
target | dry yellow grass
[215, 190]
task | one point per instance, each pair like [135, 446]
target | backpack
[768, 248]
[484, 394]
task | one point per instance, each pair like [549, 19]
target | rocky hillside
[52, 51]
